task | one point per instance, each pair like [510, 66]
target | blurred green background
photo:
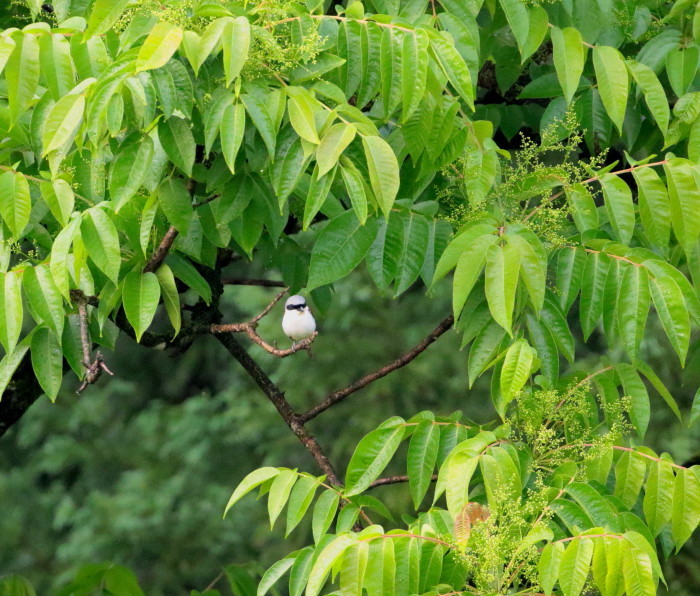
[138, 469]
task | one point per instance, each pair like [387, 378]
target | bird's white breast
[298, 324]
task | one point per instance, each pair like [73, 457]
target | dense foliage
[545, 154]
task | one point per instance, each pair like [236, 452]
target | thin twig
[395, 480]
[94, 367]
[162, 251]
[401, 361]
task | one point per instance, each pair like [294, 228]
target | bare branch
[276, 396]
[401, 361]
[162, 251]
[269, 307]
[395, 480]
[244, 281]
[93, 367]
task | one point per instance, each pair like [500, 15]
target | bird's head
[297, 303]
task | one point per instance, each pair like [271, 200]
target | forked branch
[250, 329]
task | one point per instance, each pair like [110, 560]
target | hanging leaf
[613, 83]
[569, 57]
[502, 270]
[159, 47]
[15, 202]
[371, 456]
[383, 171]
[47, 361]
[140, 296]
[340, 247]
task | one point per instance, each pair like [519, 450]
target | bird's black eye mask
[296, 306]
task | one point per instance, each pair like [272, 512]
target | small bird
[298, 322]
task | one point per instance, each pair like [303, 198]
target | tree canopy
[540, 158]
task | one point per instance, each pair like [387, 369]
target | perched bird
[298, 322]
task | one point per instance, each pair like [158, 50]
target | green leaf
[129, 171]
[44, 298]
[619, 206]
[140, 296]
[629, 477]
[583, 207]
[461, 242]
[7, 46]
[658, 495]
[59, 256]
[654, 94]
[185, 271]
[101, 241]
[413, 251]
[252, 480]
[11, 311]
[62, 123]
[300, 108]
[176, 137]
[594, 504]
[371, 456]
[280, 490]
[232, 128]
[381, 568]
[356, 189]
[454, 66]
[421, 459]
[15, 202]
[159, 46]
[103, 15]
[47, 361]
[533, 266]
[352, 569]
[633, 307]
[262, 120]
[301, 571]
[670, 306]
[518, 20]
[634, 387]
[317, 195]
[502, 270]
[325, 561]
[575, 563]
[684, 197]
[10, 362]
[299, 501]
[637, 571]
[333, 143]
[383, 171]
[681, 68]
[171, 297]
[236, 46]
[516, 371]
[22, 74]
[339, 248]
[176, 203]
[652, 377]
[685, 515]
[569, 58]
[654, 208]
[414, 70]
[273, 574]
[469, 267]
[570, 267]
[324, 512]
[613, 82]
[548, 566]
[60, 199]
